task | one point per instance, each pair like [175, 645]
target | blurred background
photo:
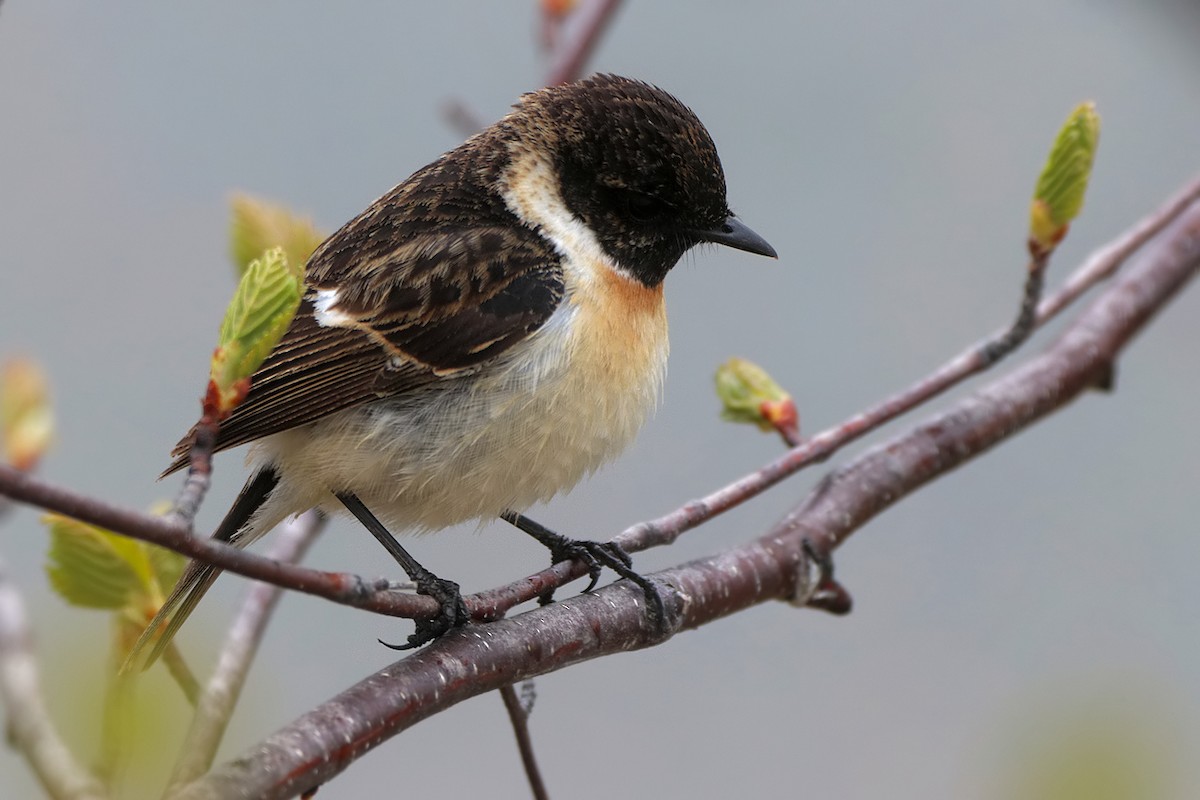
[1026, 622]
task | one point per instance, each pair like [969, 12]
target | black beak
[734, 233]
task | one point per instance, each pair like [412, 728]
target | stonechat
[483, 335]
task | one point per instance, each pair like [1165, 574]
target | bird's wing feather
[382, 317]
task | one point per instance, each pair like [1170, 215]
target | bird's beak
[735, 233]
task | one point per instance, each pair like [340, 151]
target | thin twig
[462, 118]
[199, 474]
[1082, 358]
[181, 673]
[478, 659]
[340, 587]
[567, 56]
[30, 729]
[1102, 263]
[519, 718]
[578, 39]
[991, 352]
[1099, 266]
[216, 705]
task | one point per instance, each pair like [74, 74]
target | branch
[567, 57]
[573, 50]
[30, 729]
[340, 587]
[1099, 266]
[215, 707]
[1082, 358]
[199, 474]
[518, 716]
[478, 659]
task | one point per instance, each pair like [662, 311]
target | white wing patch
[325, 313]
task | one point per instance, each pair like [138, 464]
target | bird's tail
[198, 576]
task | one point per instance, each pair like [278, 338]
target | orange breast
[621, 332]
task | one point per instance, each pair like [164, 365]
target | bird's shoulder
[433, 281]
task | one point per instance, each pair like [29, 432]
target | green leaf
[261, 310]
[166, 565]
[258, 225]
[1058, 198]
[94, 568]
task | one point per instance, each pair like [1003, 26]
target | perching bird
[483, 335]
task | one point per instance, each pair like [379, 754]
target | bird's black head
[639, 168]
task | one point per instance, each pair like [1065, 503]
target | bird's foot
[595, 556]
[453, 612]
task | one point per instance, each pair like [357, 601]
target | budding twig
[1099, 266]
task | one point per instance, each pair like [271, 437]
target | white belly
[567, 400]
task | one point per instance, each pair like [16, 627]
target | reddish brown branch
[478, 659]
[1100, 265]
[1083, 357]
[461, 117]
[340, 587]
[569, 40]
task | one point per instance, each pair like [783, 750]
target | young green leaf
[166, 566]
[1058, 197]
[258, 225]
[93, 568]
[261, 310]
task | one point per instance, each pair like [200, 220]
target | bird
[482, 336]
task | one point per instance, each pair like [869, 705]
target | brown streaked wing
[442, 304]
[312, 372]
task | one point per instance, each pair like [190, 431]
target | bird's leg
[454, 611]
[594, 555]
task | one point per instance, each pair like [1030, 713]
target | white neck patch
[532, 193]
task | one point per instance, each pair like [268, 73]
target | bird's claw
[453, 613]
[593, 555]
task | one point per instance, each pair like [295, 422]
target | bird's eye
[643, 207]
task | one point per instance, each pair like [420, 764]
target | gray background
[887, 150]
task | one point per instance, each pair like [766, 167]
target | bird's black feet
[453, 611]
[595, 556]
